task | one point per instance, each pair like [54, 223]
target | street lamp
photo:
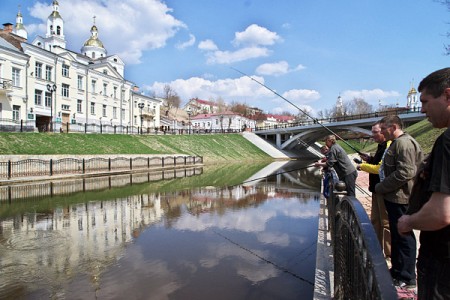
[141, 106]
[189, 112]
[51, 89]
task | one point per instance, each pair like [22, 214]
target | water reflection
[239, 241]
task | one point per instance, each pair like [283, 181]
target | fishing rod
[301, 110]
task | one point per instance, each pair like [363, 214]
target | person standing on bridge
[378, 215]
[338, 159]
[429, 209]
[400, 164]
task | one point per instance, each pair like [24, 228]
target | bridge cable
[301, 110]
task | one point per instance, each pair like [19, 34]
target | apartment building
[44, 84]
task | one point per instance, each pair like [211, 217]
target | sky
[308, 51]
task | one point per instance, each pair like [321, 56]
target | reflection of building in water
[80, 238]
[212, 199]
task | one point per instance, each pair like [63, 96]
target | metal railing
[396, 111]
[360, 270]
[51, 167]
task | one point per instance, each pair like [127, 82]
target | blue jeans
[403, 247]
[433, 276]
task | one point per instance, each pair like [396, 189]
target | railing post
[109, 164]
[85, 127]
[21, 125]
[9, 169]
[131, 163]
[174, 161]
[84, 167]
[148, 162]
[51, 166]
[185, 160]
[162, 162]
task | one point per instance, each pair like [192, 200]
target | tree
[357, 106]
[171, 99]
[446, 3]
[239, 108]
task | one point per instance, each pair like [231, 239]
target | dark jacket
[375, 160]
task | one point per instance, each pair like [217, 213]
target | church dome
[94, 41]
[412, 91]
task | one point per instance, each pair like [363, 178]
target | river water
[216, 232]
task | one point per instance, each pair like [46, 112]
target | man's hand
[364, 156]
[404, 225]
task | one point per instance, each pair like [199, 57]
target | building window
[38, 70]
[65, 90]
[115, 92]
[80, 82]
[104, 110]
[123, 113]
[93, 84]
[65, 70]
[105, 72]
[48, 73]
[65, 107]
[15, 77]
[58, 30]
[38, 97]
[48, 99]
[16, 112]
[105, 89]
[92, 108]
[114, 112]
[79, 106]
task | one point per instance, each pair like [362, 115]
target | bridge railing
[397, 111]
[360, 270]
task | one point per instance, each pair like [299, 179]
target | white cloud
[227, 57]
[188, 43]
[277, 69]
[114, 18]
[255, 35]
[253, 40]
[207, 45]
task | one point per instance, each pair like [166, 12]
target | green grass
[422, 131]
[213, 148]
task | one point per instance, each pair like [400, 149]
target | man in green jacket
[400, 164]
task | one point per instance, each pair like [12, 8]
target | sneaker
[405, 291]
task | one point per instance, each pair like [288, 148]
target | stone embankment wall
[43, 167]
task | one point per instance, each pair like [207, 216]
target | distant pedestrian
[378, 215]
[326, 175]
[429, 209]
[338, 159]
[400, 163]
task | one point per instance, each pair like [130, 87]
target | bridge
[302, 136]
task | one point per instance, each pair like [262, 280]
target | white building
[44, 83]
[225, 121]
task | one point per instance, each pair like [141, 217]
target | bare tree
[171, 99]
[357, 106]
[447, 4]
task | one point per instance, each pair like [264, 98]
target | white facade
[222, 121]
[53, 85]
[412, 100]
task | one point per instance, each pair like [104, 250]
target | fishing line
[257, 255]
[264, 259]
[301, 110]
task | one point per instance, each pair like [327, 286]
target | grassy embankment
[422, 131]
[214, 148]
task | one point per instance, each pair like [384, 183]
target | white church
[44, 84]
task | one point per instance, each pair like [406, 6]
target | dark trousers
[350, 183]
[433, 277]
[403, 247]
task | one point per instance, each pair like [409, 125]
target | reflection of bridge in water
[303, 136]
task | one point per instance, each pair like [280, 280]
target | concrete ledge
[323, 283]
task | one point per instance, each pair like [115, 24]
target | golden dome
[93, 40]
[412, 91]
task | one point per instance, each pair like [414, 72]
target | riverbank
[217, 148]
